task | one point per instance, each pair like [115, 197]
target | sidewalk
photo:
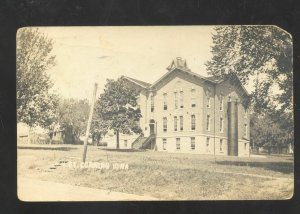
[36, 190]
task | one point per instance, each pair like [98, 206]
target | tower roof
[178, 62]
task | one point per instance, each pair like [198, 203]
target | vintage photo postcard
[154, 113]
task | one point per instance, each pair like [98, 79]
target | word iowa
[97, 165]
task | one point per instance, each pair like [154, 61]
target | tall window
[165, 126]
[178, 143]
[193, 97]
[152, 103]
[245, 146]
[193, 122]
[165, 101]
[125, 143]
[192, 143]
[221, 124]
[207, 142]
[164, 144]
[181, 123]
[245, 130]
[208, 122]
[221, 145]
[181, 99]
[175, 123]
[221, 103]
[175, 100]
[208, 99]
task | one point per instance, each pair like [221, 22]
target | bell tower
[178, 62]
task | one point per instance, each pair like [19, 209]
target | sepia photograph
[154, 113]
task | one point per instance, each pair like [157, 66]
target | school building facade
[186, 112]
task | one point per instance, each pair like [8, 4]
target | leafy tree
[99, 128]
[35, 104]
[286, 124]
[72, 117]
[268, 132]
[261, 51]
[117, 106]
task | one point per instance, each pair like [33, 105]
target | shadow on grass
[122, 150]
[283, 167]
[47, 148]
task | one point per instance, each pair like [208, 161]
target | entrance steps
[144, 142]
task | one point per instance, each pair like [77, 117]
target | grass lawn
[166, 176]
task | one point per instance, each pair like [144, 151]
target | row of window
[192, 143]
[176, 106]
[208, 98]
[193, 123]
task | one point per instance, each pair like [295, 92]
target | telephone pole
[89, 123]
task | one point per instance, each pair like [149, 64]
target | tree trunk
[51, 137]
[93, 140]
[118, 146]
[29, 135]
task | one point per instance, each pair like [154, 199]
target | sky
[88, 55]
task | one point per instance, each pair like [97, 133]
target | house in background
[56, 133]
[186, 112]
[35, 135]
[125, 141]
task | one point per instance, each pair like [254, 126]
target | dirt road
[36, 190]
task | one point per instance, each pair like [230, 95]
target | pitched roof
[138, 82]
[189, 72]
[215, 79]
[180, 65]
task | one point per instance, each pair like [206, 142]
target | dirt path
[36, 190]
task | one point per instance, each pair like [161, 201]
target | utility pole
[215, 123]
[89, 123]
